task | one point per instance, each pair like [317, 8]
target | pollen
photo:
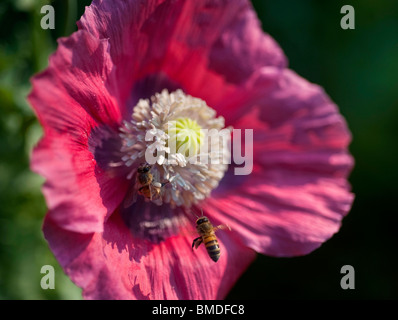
[170, 132]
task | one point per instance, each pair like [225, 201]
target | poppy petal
[114, 265]
[204, 46]
[72, 98]
[75, 93]
[297, 194]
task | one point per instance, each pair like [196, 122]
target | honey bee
[149, 188]
[207, 236]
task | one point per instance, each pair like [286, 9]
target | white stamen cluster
[187, 179]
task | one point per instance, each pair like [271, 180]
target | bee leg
[150, 192]
[196, 242]
[155, 190]
[139, 190]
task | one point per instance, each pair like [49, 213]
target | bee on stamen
[147, 186]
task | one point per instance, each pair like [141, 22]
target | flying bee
[149, 188]
[208, 237]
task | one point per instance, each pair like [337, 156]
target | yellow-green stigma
[186, 134]
[170, 131]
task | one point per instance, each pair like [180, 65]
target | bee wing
[222, 227]
[188, 233]
[157, 201]
[131, 196]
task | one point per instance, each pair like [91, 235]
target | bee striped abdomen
[212, 247]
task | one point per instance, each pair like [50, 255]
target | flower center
[168, 151]
[187, 134]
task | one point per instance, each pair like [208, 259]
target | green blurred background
[358, 69]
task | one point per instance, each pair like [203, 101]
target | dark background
[357, 68]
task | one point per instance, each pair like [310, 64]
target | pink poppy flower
[206, 64]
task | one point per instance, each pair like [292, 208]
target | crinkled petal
[114, 265]
[71, 98]
[298, 193]
[79, 194]
[204, 46]
[75, 93]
